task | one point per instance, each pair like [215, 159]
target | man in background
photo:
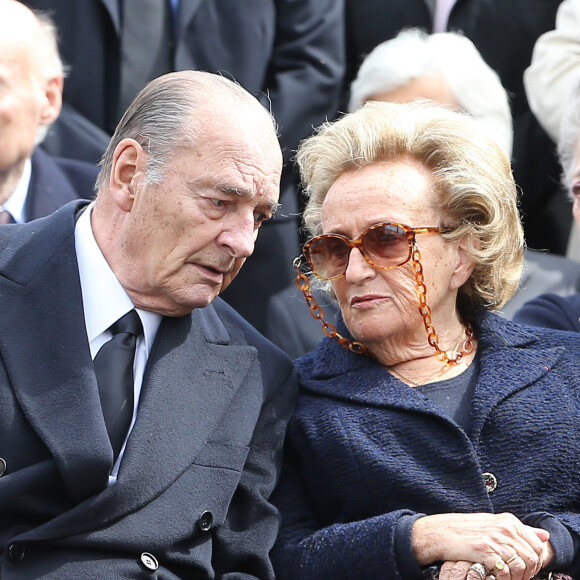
[32, 183]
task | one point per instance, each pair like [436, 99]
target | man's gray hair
[162, 117]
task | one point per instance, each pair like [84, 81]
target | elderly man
[32, 183]
[141, 418]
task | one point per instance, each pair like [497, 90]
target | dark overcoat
[364, 450]
[193, 487]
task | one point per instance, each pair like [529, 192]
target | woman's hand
[505, 546]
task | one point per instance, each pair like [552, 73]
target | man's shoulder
[81, 175]
[27, 247]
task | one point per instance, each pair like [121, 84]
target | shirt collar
[104, 299]
[15, 204]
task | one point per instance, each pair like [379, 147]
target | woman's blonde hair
[472, 181]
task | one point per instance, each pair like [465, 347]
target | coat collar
[337, 373]
[43, 290]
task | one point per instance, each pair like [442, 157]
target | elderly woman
[432, 436]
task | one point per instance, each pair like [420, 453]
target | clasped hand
[505, 547]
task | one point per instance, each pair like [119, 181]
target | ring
[498, 566]
[480, 569]
[516, 555]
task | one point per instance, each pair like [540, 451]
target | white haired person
[445, 67]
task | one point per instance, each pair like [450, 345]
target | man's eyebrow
[271, 207]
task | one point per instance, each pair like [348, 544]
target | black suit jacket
[290, 54]
[56, 181]
[199, 465]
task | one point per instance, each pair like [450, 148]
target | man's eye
[259, 218]
[576, 188]
[218, 202]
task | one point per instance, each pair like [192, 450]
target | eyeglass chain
[358, 347]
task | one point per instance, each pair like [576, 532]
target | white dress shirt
[16, 202]
[104, 302]
[441, 17]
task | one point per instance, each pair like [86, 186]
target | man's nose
[240, 237]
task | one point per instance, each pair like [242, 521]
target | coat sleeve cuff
[406, 561]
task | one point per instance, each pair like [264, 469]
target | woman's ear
[464, 264]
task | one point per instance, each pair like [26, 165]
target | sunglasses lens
[386, 245]
[328, 256]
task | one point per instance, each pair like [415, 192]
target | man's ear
[53, 100]
[127, 173]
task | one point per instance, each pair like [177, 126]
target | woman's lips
[367, 300]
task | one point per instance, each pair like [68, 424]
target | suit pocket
[222, 455]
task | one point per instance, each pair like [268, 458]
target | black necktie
[114, 370]
[6, 217]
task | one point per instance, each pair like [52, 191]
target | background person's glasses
[383, 246]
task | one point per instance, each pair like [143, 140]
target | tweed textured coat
[364, 450]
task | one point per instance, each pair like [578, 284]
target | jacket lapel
[187, 10]
[113, 8]
[501, 344]
[191, 378]
[504, 345]
[47, 317]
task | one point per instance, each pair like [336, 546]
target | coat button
[149, 561]
[490, 481]
[205, 521]
[2, 467]
[16, 552]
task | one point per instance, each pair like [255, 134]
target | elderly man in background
[32, 183]
[141, 418]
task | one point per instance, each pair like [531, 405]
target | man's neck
[9, 179]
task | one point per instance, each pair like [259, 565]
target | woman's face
[381, 307]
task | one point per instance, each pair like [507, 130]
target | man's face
[185, 239]
[22, 103]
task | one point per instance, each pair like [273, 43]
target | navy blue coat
[55, 181]
[364, 450]
[200, 463]
[551, 311]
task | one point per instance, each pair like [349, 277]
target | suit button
[490, 481]
[16, 552]
[205, 521]
[149, 561]
[2, 467]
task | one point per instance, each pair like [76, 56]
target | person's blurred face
[185, 239]
[381, 307]
[575, 186]
[24, 104]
